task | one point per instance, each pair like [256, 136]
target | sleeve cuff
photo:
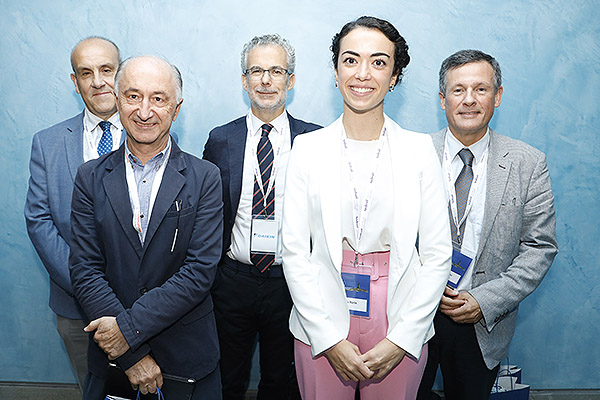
[132, 336]
[130, 358]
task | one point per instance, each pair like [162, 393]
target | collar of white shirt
[91, 121]
[279, 124]
[454, 146]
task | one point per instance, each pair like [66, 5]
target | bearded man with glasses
[250, 293]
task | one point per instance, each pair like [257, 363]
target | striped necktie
[260, 207]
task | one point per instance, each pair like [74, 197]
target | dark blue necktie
[105, 144]
[264, 154]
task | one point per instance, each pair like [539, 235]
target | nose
[266, 77]
[144, 111]
[363, 72]
[98, 80]
[469, 98]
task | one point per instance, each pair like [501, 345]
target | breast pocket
[180, 224]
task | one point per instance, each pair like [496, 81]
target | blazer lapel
[171, 184]
[295, 128]
[330, 192]
[236, 143]
[498, 168]
[74, 146]
[115, 186]
[438, 142]
[401, 161]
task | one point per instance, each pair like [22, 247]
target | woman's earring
[391, 88]
[336, 84]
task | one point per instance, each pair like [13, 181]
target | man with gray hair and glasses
[250, 293]
[503, 230]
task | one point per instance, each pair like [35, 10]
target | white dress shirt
[92, 133]
[474, 219]
[279, 136]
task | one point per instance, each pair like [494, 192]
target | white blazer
[312, 239]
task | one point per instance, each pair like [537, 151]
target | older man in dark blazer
[146, 240]
[503, 230]
[250, 292]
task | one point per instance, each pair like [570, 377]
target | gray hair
[98, 38]
[463, 57]
[266, 40]
[176, 75]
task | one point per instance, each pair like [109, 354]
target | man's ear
[176, 113]
[291, 81]
[245, 82]
[74, 79]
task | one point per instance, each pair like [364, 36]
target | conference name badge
[460, 265]
[264, 236]
[357, 288]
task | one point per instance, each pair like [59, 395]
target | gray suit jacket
[56, 152]
[518, 238]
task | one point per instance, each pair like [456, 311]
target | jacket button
[143, 290]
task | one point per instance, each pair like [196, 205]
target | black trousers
[455, 349]
[248, 304]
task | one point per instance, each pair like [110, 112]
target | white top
[474, 221]
[92, 133]
[240, 234]
[377, 234]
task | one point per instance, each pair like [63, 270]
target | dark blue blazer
[160, 297]
[225, 148]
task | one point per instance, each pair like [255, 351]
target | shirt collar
[278, 123]
[154, 160]
[91, 120]
[454, 146]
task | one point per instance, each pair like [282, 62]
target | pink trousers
[318, 380]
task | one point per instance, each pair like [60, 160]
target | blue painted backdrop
[550, 55]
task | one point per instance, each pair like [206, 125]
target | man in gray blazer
[503, 229]
[56, 153]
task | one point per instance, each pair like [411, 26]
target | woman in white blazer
[365, 232]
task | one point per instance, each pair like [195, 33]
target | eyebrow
[478, 83]
[87, 67]
[133, 89]
[378, 54]
[272, 66]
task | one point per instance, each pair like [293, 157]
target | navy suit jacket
[160, 297]
[56, 152]
[225, 148]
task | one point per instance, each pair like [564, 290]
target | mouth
[361, 90]
[101, 94]
[265, 93]
[469, 114]
[144, 125]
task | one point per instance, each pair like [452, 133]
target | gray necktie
[462, 187]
